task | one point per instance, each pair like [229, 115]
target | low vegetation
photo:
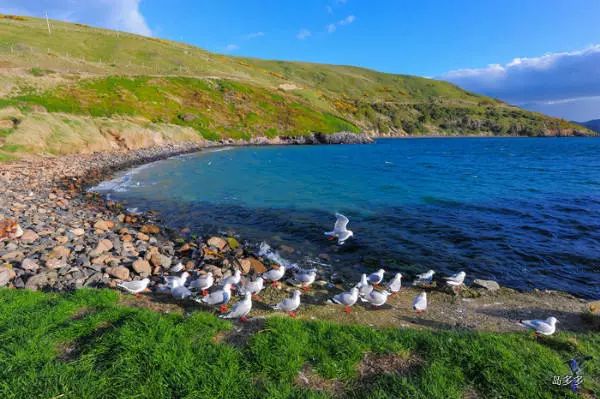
[86, 344]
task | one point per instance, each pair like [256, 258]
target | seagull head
[184, 275]
[297, 293]
[552, 320]
[227, 287]
[145, 280]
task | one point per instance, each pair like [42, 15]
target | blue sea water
[522, 211]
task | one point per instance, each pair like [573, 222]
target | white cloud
[549, 81]
[231, 47]
[122, 15]
[254, 35]
[346, 21]
[303, 34]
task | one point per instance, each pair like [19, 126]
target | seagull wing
[340, 223]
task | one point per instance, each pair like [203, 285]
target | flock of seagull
[364, 290]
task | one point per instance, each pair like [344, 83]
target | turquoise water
[525, 212]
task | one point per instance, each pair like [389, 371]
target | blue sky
[456, 40]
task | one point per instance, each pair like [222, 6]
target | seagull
[377, 277]
[274, 275]
[339, 229]
[219, 297]
[364, 288]
[304, 278]
[395, 284]
[234, 279]
[135, 287]
[177, 268]
[456, 280]
[180, 292]
[253, 287]
[203, 283]
[420, 302]
[241, 309]
[424, 278]
[289, 305]
[377, 298]
[347, 299]
[544, 327]
[176, 281]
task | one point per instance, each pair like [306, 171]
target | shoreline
[70, 238]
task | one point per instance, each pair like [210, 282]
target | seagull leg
[347, 309]
[306, 288]
[138, 295]
[331, 238]
[274, 284]
[223, 308]
[204, 292]
[256, 297]
[292, 314]
[244, 319]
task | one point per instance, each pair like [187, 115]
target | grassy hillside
[90, 72]
[87, 345]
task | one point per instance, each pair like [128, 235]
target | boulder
[41, 280]
[104, 225]
[60, 252]
[150, 229]
[120, 272]
[594, 307]
[29, 265]
[142, 267]
[54, 263]
[78, 232]
[103, 246]
[489, 285]
[142, 236]
[217, 242]
[6, 275]
[257, 266]
[232, 242]
[29, 236]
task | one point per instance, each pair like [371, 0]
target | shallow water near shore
[522, 211]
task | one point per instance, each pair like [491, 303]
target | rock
[60, 252]
[29, 236]
[62, 239]
[120, 272]
[104, 225]
[232, 242]
[29, 264]
[103, 246]
[6, 275]
[142, 236]
[78, 232]
[150, 229]
[245, 265]
[142, 267]
[489, 285]
[41, 280]
[216, 271]
[54, 263]
[217, 242]
[127, 238]
[257, 266]
[13, 256]
[594, 307]
[10, 229]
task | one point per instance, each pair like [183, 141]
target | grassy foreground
[87, 345]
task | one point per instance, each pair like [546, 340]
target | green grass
[86, 345]
[238, 97]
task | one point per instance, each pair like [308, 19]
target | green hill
[59, 91]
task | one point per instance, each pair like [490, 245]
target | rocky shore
[55, 235]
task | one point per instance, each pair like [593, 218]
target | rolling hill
[594, 125]
[80, 89]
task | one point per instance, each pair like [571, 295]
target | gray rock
[41, 280]
[489, 285]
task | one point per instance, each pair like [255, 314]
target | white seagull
[377, 298]
[136, 286]
[377, 277]
[241, 309]
[219, 297]
[234, 279]
[456, 280]
[176, 281]
[544, 327]
[424, 278]
[203, 283]
[339, 229]
[420, 302]
[253, 287]
[364, 288]
[180, 292]
[304, 278]
[347, 299]
[274, 275]
[289, 305]
[395, 284]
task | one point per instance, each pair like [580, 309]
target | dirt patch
[240, 333]
[471, 393]
[307, 378]
[374, 365]
[81, 313]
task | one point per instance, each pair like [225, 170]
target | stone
[489, 285]
[60, 252]
[245, 265]
[62, 239]
[54, 263]
[126, 238]
[120, 272]
[103, 246]
[29, 264]
[29, 236]
[232, 242]
[104, 225]
[257, 266]
[41, 280]
[6, 275]
[142, 236]
[10, 229]
[13, 256]
[78, 232]
[150, 229]
[217, 242]
[594, 307]
[142, 267]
